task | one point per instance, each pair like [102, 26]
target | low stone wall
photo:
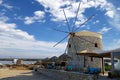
[64, 75]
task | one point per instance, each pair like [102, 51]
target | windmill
[71, 29]
[73, 36]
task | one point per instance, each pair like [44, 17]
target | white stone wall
[84, 43]
[96, 63]
[117, 65]
[64, 75]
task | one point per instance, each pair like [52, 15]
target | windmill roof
[88, 33]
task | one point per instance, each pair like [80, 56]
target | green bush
[107, 68]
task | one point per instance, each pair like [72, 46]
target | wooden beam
[84, 61]
[112, 61]
[102, 65]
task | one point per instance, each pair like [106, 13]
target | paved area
[21, 75]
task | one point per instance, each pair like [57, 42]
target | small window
[96, 45]
[91, 58]
[69, 46]
[63, 63]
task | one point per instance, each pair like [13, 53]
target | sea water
[11, 62]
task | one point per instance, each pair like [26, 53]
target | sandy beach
[6, 74]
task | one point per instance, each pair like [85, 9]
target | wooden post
[102, 66]
[84, 61]
[112, 61]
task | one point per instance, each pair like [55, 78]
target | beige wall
[64, 75]
[96, 63]
[84, 42]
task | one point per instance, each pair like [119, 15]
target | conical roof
[88, 33]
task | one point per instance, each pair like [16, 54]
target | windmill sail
[61, 40]
[60, 30]
[76, 17]
[66, 20]
[85, 22]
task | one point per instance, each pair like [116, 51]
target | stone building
[81, 42]
[20, 62]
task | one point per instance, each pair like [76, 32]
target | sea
[11, 62]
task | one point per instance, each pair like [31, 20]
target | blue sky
[26, 27]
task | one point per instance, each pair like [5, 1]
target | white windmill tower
[79, 41]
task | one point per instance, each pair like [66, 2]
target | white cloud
[28, 48]
[9, 29]
[5, 5]
[18, 17]
[70, 7]
[56, 9]
[110, 9]
[118, 8]
[39, 13]
[1, 2]
[110, 14]
[4, 18]
[104, 30]
[38, 17]
[95, 22]
[114, 15]
[15, 42]
[116, 20]
[28, 20]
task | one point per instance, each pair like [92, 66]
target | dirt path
[6, 74]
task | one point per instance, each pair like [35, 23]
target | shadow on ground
[106, 78]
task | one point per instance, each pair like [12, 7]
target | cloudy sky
[27, 26]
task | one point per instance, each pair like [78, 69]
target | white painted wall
[117, 65]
